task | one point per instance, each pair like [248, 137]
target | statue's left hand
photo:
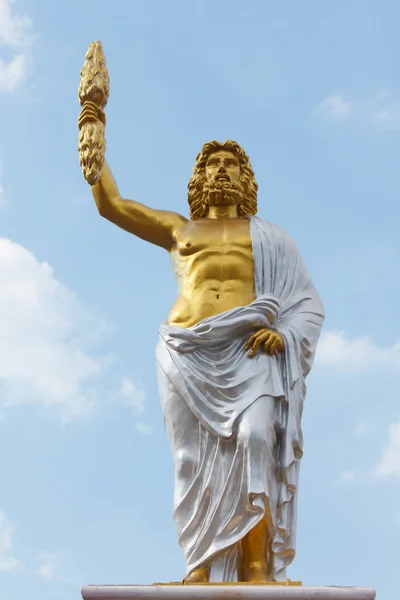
[271, 341]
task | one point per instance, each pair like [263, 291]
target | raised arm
[156, 226]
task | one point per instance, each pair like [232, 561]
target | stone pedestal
[224, 592]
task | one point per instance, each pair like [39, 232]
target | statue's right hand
[90, 113]
[91, 144]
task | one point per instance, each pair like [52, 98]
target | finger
[275, 346]
[87, 118]
[260, 338]
[267, 348]
[88, 111]
[249, 342]
[88, 115]
[269, 342]
[259, 341]
[253, 337]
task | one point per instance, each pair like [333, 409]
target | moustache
[223, 184]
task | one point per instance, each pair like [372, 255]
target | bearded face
[222, 176]
[222, 185]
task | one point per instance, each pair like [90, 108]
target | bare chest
[216, 236]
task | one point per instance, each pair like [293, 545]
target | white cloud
[388, 119]
[130, 395]
[335, 106]
[44, 338]
[49, 565]
[15, 30]
[133, 397]
[16, 37]
[144, 428]
[7, 561]
[347, 476]
[389, 462]
[13, 72]
[382, 111]
[336, 349]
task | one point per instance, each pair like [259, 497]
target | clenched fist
[272, 342]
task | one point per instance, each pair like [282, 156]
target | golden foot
[256, 572]
[198, 576]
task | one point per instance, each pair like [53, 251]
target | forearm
[127, 214]
[106, 193]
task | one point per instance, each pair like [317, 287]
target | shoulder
[273, 232]
[176, 221]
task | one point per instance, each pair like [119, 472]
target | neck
[223, 212]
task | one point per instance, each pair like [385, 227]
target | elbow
[106, 203]
[102, 210]
[107, 208]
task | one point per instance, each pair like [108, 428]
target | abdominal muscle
[222, 283]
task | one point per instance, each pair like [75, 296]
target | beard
[230, 193]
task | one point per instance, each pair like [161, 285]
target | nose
[222, 168]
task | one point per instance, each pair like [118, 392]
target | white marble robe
[234, 422]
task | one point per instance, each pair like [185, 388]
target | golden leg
[254, 554]
[201, 575]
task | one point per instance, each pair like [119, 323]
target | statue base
[226, 591]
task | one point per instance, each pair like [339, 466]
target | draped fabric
[234, 422]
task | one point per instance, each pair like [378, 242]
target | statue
[232, 357]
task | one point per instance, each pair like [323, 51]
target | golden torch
[93, 92]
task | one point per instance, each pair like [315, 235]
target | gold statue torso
[213, 264]
[212, 257]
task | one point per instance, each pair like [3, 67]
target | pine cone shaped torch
[93, 92]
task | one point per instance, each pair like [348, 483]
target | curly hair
[197, 205]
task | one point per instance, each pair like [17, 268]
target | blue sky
[311, 90]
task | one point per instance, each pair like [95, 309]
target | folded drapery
[234, 422]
